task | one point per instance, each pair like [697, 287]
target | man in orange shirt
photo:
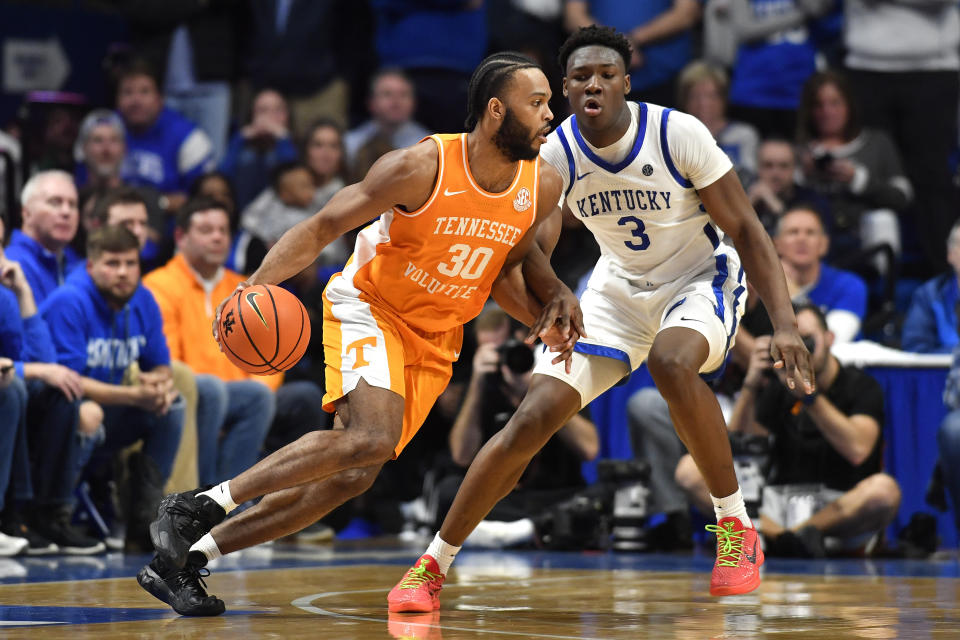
[458, 214]
[234, 408]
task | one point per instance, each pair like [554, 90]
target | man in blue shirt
[40, 409]
[102, 321]
[50, 218]
[164, 150]
[931, 322]
[802, 243]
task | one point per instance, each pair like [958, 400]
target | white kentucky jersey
[644, 209]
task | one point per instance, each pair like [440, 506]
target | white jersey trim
[436, 186]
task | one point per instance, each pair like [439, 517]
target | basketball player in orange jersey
[457, 220]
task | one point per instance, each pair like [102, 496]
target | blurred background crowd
[151, 152]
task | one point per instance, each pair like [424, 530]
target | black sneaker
[69, 539]
[183, 589]
[37, 544]
[182, 519]
[53, 522]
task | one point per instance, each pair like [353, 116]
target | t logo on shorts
[357, 347]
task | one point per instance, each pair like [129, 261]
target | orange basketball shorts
[363, 339]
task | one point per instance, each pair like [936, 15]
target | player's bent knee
[669, 370]
[355, 481]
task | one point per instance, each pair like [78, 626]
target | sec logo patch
[522, 202]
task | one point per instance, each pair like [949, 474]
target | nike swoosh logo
[692, 319]
[447, 192]
[584, 175]
[251, 299]
[753, 558]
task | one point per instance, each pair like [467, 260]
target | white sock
[208, 547]
[442, 552]
[732, 507]
[221, 495]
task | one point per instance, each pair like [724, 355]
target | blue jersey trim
[736, 303]
[677, 304]
[683, 182]
[570, 164]
[600, 162]
[718, 281]
[606, 352]
[711, 234]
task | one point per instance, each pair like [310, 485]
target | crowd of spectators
[232, 121]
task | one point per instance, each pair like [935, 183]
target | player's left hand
[790, 355]
[560, 325]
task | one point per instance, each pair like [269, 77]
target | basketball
[264, 329]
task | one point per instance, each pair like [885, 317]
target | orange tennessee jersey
[435, 266]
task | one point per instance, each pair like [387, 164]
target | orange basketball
[264, 329]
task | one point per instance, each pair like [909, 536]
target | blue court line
[31, 616]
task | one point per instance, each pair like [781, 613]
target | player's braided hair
[595, 35]
[488, 80]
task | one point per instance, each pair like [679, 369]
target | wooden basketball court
[326, 592]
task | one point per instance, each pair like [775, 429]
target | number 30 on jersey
[466, 262]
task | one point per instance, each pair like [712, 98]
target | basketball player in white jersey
[658, 194]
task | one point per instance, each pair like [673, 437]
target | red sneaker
[419, 590]
[739, 557]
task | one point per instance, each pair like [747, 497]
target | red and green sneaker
[419, 590]
[739, 556]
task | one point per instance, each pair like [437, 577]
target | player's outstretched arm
[729, 206]
[404, 178]
[400, 178]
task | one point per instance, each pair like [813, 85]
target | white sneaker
[10, 546]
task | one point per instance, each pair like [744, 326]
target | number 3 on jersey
[466, 262]
[637, 232]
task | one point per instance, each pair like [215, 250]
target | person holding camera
[825, 490]
[858, 170]
[502, 367]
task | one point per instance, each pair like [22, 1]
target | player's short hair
[595, 35]
[815, 310]
[195, 206]
[120, 195]
[113, 239]
[489, 79]
[697, 71]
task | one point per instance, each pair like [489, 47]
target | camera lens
[517, 356]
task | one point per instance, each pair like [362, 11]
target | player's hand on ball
[216, 316]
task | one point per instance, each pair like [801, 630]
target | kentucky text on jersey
[478, 227]
[620, 200]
